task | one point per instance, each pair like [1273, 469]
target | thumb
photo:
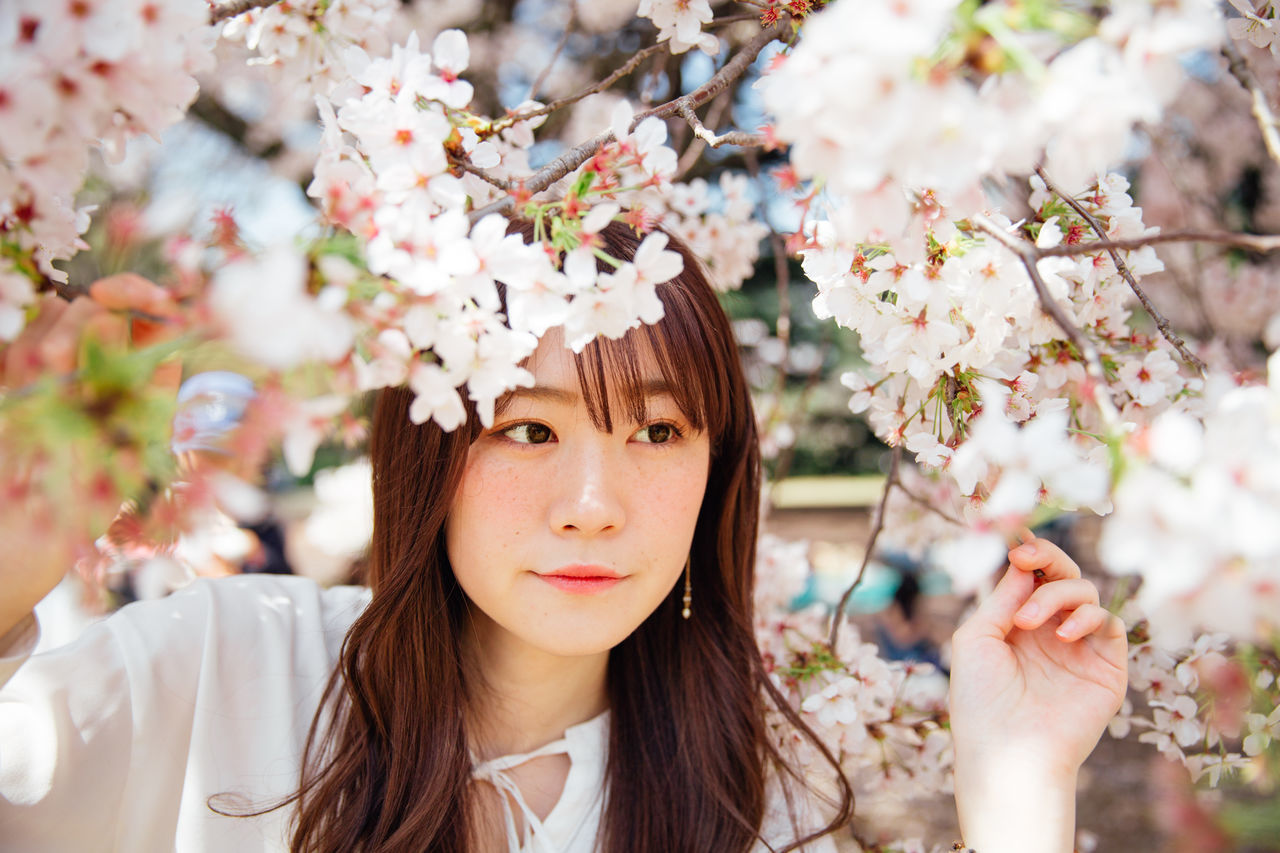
[994, 616]
[131, 292]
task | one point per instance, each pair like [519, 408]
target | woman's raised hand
[1037, 673]
[35, 530]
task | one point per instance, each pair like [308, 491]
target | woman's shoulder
[263, 599]
[246, 618]
[134, 725]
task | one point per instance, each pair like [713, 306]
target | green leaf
[583, 184]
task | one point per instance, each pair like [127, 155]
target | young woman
[555, 653]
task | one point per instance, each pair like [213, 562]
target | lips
[582, 579]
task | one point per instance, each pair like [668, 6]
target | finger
[110, 330]
[1113, 632]
[1054, 597]
[1087, 619]
[1046, 557]
[61, 346]
[131, 292]
[994, 616]
[21, 358]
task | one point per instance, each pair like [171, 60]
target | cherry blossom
[1200, 503]
[1258, 24]
[436, 397]
[89, 75]
[680, 22]
[902, 123]
[267, 314]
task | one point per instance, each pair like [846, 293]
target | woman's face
[566, 537]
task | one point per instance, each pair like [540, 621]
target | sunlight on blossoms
[946, 229]
[1198, 515]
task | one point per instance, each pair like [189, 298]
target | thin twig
[651, 79]
[787, 455]
[782, 272]
[782, 276]
[1191, 203]
[1029, 255]
[219, 12]
[575, 157]
[467, 166]
[1162, 322]
[1260, 243]
[838, 618]
[547, 175]
[64, 289]
[698, 145]
[732, 70]
[926, 504]
[750, 140]
[564, 40]
[733, 19]
[1239, 68]
[625, 69]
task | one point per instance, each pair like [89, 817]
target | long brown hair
[386, 764]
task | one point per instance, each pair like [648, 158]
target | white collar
[587, 746]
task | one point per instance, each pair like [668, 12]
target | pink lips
[582, 579]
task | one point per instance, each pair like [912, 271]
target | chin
[572, 638]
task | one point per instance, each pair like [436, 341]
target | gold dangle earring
[688, 589]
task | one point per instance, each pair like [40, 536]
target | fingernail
[1030, 610]
[1066, 629]
[1028, 550]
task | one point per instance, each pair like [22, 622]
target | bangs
[616, 375]
[690, 347]
[615, 384]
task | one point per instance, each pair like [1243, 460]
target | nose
[587, 497]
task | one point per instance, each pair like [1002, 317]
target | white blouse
[118, 740]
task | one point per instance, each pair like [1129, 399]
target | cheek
[494, 508]
[669, 502]
[682, 496]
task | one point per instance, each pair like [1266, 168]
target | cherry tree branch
[1239, 68]
[787, 455]
[752, 140]
[1029, 254]
[564, 40]
[698, 145]
[732, 70]
[559, 104]
[733, 19]
[575, 157]
[1261, 243]
[781, 272]
[782, 275]
[219, 12]
[837, 617]
[467, 166]
[1162, 322]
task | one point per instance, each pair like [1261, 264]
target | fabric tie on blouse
[494, 772]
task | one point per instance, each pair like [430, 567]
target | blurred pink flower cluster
[75, 78]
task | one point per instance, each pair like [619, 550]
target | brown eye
[656, 433]
[529, 433]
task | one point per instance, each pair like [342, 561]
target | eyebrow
[566, 396]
